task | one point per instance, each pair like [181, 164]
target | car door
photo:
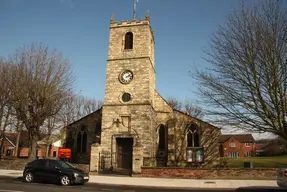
[54, 170]
[41, 171]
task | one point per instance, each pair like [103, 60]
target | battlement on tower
[125, 23]
[145, 21]
[129, 23]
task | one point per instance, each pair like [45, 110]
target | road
[8, 184]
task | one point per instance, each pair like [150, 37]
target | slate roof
[23, 140]
[242, 138]
[260, 146]
[7, 139]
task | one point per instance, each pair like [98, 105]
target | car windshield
[65, 165]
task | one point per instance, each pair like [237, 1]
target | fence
[107, 162]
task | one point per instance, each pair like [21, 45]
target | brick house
[10, 146]
[49, 149]
[237, 145]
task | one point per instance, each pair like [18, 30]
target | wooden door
[124, 153]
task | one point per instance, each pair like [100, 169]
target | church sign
[194, 155]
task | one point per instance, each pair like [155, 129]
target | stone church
[136, 127]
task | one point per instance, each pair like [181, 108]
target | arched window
[221, 150]
[69, 140]
[162, 144]
[82, 141]
[192, 136]
[98, 132]
[129, 38]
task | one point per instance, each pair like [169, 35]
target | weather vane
[135, 7]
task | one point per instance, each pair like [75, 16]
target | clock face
[126, 76]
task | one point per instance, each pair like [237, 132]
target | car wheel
[65, 180]
[29, 177]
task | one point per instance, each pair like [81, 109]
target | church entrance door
[124, 153]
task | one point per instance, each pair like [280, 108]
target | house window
[233, 154]
[129, 40]
[247, 144]
[192, 136]
[248, 154]
[54, 153]
[232, 144]
[82, 141]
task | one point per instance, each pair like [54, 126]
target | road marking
[9, 191]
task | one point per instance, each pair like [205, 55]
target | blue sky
[80, 29]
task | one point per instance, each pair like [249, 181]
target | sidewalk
[162, 182]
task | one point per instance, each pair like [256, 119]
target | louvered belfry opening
[129, 37]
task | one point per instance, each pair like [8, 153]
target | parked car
[282, 178]
[55, 171]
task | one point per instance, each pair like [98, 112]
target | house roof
[8, 141]
[260, 146]
[51, 139]
[242, 138]
[23, 138]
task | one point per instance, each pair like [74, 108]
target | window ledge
[128, 50]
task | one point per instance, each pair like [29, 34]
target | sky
[80, 30]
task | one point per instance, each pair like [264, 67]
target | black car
[51, 170]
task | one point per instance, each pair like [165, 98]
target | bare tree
[247, 84]
[174, 103]
[186, 106]
[18, 127]
[41, 80]
[86, 106]
[76, 107]
[192, 110]
[5, 107]
[51, 127]
[67, 114]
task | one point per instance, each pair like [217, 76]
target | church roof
[97, 111]
[175, 110]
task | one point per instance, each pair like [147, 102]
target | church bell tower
[128, 116]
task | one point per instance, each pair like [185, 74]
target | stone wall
[84, 167]
[89, 123]
[209, 173]
[139, 126]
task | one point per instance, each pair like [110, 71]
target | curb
[164, 187]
